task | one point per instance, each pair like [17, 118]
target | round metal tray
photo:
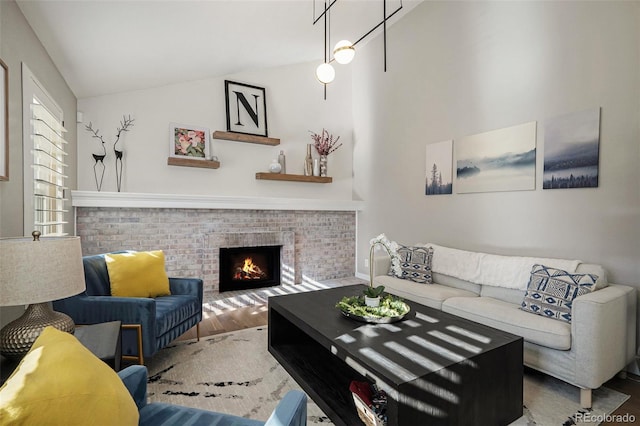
[377, 320]
[374, 320]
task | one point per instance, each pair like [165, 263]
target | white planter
[373, 302]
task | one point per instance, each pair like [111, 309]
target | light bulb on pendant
[344, 52]
[325, 73]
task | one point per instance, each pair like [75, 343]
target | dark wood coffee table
[438, 369]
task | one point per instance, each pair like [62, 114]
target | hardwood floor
[254, 316]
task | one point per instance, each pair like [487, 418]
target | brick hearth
[323, 241]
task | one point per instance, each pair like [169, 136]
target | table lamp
[34, 272]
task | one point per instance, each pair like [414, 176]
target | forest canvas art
[498, 160]
[571, 150]
[438, 178]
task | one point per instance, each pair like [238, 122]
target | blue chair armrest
[290, 411]
[134, 378]
[128, 310]
[187, 286]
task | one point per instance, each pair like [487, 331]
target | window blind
[48, 170]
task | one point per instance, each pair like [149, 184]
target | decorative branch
[324, 142]
[124, 127]
[89, 128]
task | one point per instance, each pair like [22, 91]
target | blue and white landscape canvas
[498, 160]
[572, 150]
[438, 179]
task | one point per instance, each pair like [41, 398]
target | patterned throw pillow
[551, 291]
[415, 264]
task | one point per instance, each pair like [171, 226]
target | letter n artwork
[246, 108]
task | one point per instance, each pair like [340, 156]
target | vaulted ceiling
[103, 47]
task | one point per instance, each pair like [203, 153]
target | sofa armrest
[134, 378]
[290, 411]
[187, 286]
[128, 310]
[603, 330]
[381, 265]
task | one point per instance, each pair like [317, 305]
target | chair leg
[138, 329]
[198, 331]
[585, 398]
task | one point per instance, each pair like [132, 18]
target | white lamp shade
[40, 271]
[344, 52]
[325, 73]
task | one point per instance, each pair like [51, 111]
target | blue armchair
[290, 411]
[160, 320]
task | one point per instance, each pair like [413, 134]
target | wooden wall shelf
[241, 137]
[294, 178]
[190, 162]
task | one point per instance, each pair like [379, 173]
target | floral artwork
[189, 141]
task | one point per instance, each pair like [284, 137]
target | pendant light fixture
[325, 73]
[344, 51]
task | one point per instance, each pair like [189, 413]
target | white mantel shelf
[181, 201]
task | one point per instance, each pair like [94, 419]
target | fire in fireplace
[244, 268]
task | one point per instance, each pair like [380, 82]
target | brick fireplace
[316, 244]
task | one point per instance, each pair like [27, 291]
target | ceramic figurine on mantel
[125, 124]
[325, 144]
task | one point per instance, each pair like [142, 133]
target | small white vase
[372, 302]
[275, 167]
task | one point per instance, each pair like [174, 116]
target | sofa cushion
[137, 274]
[61, 382]
[415, 264]
[174, 310]
[508, 317]
[593, 269]
[507, 294]
[450, 281]
[431, 295]
[551, 291]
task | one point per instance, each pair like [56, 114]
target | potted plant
[372, 296]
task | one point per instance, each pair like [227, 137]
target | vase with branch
[325, 144]
[372, 294]
[125, 124]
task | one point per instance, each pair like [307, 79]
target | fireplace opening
[243, 268]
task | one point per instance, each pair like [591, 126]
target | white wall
[18, 43]
[295, 105]
[461, 68]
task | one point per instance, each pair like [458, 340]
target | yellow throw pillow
[60, 382]
[138, 274]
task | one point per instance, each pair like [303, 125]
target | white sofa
[597, 344]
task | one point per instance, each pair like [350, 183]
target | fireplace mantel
[150, 200]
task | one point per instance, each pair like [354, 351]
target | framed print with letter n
[246, 108]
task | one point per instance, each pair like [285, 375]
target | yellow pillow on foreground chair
[60, 382]
[138, 274]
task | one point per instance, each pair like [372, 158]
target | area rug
[234, 373]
